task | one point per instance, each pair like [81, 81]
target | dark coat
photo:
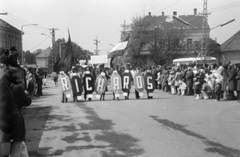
[231, 80]
[10, 117]
[21, 100]
[189, 78]
[238, 80]
[224, 81]
[12, 60]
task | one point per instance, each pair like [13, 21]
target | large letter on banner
[116, 82]
[100, 84]
[149, 82]
[126, 82]
[66, 86]
[76, 86]
[138, 81]
[88, 83]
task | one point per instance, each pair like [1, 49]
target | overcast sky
[87, 19]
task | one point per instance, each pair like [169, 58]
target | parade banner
[88, 84]
[77, 88]
[98, 59]
[138, 81]
[126, 83]
[149, 83]
[66, 86]
[116, 83]
[100, 85]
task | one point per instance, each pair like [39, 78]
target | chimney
[149, 13]
[162, 13]
[175, 13]
[195, 11]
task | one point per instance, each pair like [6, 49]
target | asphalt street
[165, 126]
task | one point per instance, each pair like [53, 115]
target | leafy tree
[29, 57]
[160, 41]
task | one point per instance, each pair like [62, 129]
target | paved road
[166, 126]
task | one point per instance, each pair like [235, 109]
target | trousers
[18, 149]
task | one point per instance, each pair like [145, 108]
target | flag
[67, 60]
[118, 50]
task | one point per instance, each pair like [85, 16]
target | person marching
[88, 84]
[116, 82]
[127, 79]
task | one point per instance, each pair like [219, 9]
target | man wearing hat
[13, 57]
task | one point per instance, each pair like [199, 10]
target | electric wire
[38, 44]
[21, 20]
[155, 5]
[168, 6]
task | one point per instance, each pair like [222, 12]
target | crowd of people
[18, 86]
[204, 81]
[215, 81]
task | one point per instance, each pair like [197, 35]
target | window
[189, 43]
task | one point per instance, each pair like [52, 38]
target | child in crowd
[206, 91]
[182, 88]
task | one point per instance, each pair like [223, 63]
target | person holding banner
[88, 84]
[101, 85]
[66, 86]
[138, 81]
[149, 83]
[116, 83]
[76, 83]
[127, 79]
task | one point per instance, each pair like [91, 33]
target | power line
[168, 6]
[38, 44]
[156, 5]
[222, 7]
[20, 19]
[225, 8]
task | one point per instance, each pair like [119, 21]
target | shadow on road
[213, 146]
[35, 120]
[119, 144]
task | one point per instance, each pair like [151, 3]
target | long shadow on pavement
[214, 147]
[120, 144]
[35, 121]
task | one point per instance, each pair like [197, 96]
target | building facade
[9, 36]
[190, 28]
[42, 58]
[231, 49]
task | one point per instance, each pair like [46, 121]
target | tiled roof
[5, 24]
[194, 20]
[45, 53]
[232, 44]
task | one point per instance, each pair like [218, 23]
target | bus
[197, 60]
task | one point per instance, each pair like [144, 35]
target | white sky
[87, 19]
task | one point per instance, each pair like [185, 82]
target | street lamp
[22, 36]
[223, 24]
[187, 23]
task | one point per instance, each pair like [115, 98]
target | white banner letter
[64, 83]
[125, 82]
[88, 79]
[150, 86]
[115, 83]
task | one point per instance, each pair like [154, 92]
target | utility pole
[204, 29]
[53, 41]
[96, 43]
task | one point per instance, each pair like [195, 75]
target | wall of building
[42, 62]
[9, 36]
[234, 57]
